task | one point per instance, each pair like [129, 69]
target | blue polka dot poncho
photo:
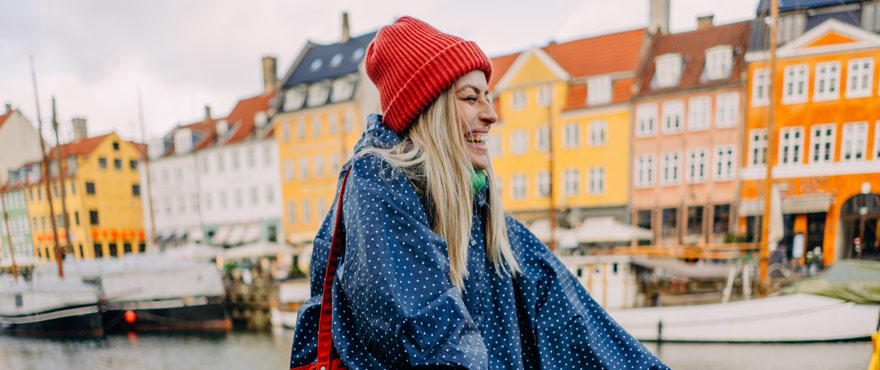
[394, 305]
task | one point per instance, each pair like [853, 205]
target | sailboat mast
[8, 235]
[146, 159]
[65, 218]
[550, 161]
[46, 173]
[770, 157]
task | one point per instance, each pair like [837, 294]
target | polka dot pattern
[394, 306]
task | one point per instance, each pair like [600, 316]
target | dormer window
[719, 61]
[667, 70]
[222, 128]
[183, 141]
[357, 55]
[260, 119]
[599, 90]
[316, 65]
[293, 98]
[342, 89]
[318, 93]
[334, 62]
[156, 147]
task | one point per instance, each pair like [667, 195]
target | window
[90, 188]
[285, 132]
[236, 161]
[132, 164]
[114, 252]
[853, 141]
[724, 162]
[670, 168]
[254, 195]
[599, 90]
[597, 180]
[117, 163]
[301, 129]
[288, 170]
[669, 221]
[757, 147]
[518, 142]
[644, 176]
[55, 190]
[303, 168]
[238, 198]
[168, 206]
[518, 186]
[794, 84]
[319, 166]
[542, 184]
[348, 122]
[860, 78]
[721, 219]
[335, 165]
[822, 143]
[267, 155]
[220, 163]
[43, 223]
[877, 140]
[76, 217]
[646, 120]
[698, 113]
[695, 220]
[494, 145]
[598, 129]
[571, 182]
[102, 162]
[572, 138]
[719, 60]
[827, 85]
[126, 248]
[209, 202]
[316, 126]
[99, 250]
[181, 204]
[116, 145]
[519, 100]
[270, 194]
[322, 208]
[673, 110]
[342, 89]
[668, 70]
[332, 124]
[318, 93]
[307, 211]
[261, 119]
[544, 96]
[294, 98]
[93, 217]
[542, 138]
[791, 140]
[760, 87]
[251, 158]
[871, 16]
[644, 219]
[697, 165]
[136, 190]
[727, 110]
[142, 247]
[789, 27]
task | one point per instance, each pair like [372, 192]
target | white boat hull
[789, 318]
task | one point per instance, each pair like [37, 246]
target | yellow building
[102, 199]
[577, 94]
[321, 110]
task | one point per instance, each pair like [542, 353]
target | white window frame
[518, 189]
[301, 129]
[316, 126]
[291, 211]
[871, 16]
[877, 136]
[724, 163]
[307, 210]
[543, 96]
[518, 100]
[791, 140]
[670, 168]
[599, 90]
[697, 166]
[727, 110]
[645, 170]
[719, 62]
[318, 166]
[822, 139]
[542, 138]
[667, 71]
[761, 87]
[598, 130]
[303, 168]
[495, 145]
[572, 182]
[795, 84]
[646, 120]
[699, 113]
[542, 184]
[672, 117]
[288, 170]
[597, 180]
[860, 78]
[519, 142]
[757, 147]
[572, 139]
[853, 143]
[285, 132]
[827, 81]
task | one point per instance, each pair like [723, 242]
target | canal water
[271, 350]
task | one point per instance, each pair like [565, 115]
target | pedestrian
[433, 274]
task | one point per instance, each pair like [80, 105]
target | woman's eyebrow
[476, 90]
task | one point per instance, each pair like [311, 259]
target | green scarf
[479, 180]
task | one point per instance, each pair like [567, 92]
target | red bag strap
[325, 323]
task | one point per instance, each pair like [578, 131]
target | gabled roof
[692, 47]
[241, 119]
[789, 5]
[599, 55]
[760, 30]
[829, 37]
[500, 65]
[5, 116]
[205, 127]
[349, 56]
[81, 147]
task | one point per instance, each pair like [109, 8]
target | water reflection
[717, 356]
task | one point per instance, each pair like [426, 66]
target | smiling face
[476, 115]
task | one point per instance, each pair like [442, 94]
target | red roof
[4, 117]
[500, 65]
[692, 47]
[81, 147]
[241, 119]
[599, 55]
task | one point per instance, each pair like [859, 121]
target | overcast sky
[94, 55]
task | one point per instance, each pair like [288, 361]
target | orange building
[827, 126]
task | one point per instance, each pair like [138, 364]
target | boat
[152, 292]
[50, 307]
[291, 296]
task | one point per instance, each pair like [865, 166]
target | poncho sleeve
[394, 302]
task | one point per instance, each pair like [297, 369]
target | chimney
[658, 16]
[346, 33]
[705, 21]
[8, 108]
[207, 113]
[80, 129]
[270, 75]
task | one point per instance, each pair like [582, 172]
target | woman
[433, 274]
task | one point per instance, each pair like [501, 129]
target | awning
[236, 235]
[252, 233]
[607, 229]
[565, 238]
[221, 234]
[674, 266]
[790, 205]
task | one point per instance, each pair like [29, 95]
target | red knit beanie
[411, 63]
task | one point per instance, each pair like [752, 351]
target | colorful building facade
[827, 163]
[15, 224]
[687, 134]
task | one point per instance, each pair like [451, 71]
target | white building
[19, 142]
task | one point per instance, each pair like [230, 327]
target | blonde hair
[433, 154]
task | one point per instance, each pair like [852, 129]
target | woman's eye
[471, 98]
